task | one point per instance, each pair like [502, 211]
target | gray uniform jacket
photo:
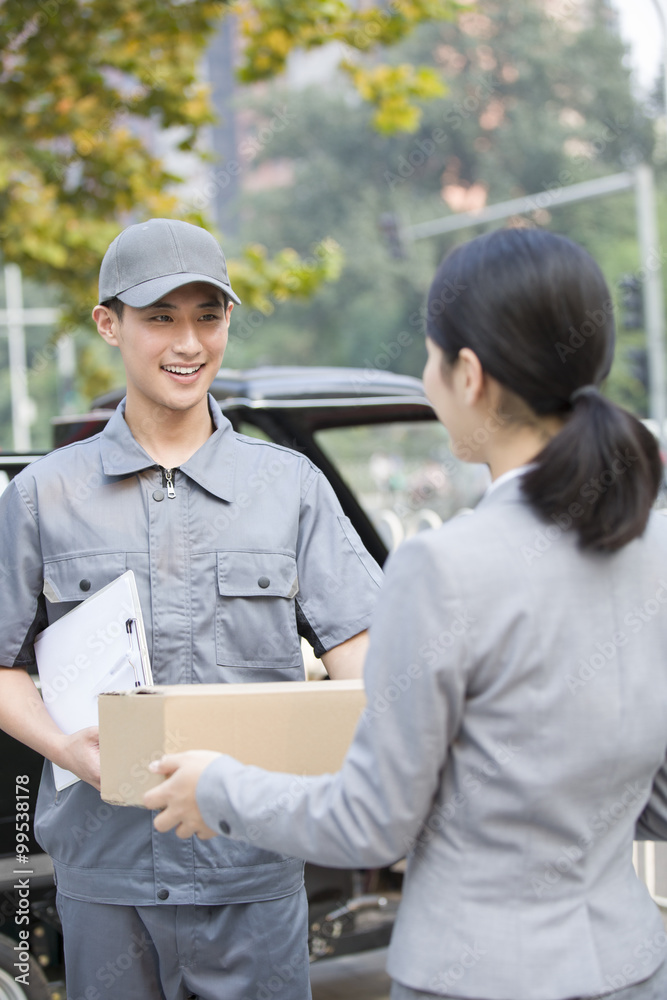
[515, 725]
[251, 550]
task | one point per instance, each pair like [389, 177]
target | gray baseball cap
[151, 259]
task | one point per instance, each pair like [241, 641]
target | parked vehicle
[375, 437]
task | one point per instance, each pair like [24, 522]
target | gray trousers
[654, 988]
[244, 951]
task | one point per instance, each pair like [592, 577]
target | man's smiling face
[172, 349]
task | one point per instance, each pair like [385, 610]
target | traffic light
[391, 232]
[632, 302]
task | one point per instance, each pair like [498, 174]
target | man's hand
[176, 797]
[81, 755]
[23, 715]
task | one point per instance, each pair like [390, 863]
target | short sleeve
[339, 581]
[22, 608]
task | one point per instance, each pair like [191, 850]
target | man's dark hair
[117, 306]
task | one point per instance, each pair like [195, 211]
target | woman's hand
[176, 798]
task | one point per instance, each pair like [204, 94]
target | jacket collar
[211, 466]
[507, 491]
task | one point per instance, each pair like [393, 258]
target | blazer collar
[211, 466]
[507, 491]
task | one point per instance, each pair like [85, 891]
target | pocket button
[263, 582]
[84, 585]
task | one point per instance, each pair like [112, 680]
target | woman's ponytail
[602, 471]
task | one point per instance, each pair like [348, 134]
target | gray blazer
[516, 722]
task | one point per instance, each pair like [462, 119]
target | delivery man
[239, 548]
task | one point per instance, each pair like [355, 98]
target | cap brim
[148, 292]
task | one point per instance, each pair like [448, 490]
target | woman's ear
[106, 323]
[472, 379]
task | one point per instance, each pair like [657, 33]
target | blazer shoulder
[454, 540]
[487, 521]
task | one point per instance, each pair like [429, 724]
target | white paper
[89, 651]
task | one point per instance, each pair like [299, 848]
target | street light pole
[663, 27]
[22, 407]
[653, 295]
[654, 306]
[15, 317]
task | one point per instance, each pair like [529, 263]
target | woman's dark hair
[537, 312]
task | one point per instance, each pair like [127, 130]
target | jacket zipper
[168, 481]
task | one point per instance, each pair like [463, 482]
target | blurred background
[314, 138]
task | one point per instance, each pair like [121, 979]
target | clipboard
[97, 647]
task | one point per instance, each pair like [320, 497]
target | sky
[640, 25]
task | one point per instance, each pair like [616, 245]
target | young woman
[515, 736]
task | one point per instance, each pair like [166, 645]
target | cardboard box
[302, 727]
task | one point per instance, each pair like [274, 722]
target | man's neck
[170, 437]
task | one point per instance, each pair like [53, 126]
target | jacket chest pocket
[255, 622]
[69, 581]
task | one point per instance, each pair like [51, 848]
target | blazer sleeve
[652, 824]
[369, 813]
